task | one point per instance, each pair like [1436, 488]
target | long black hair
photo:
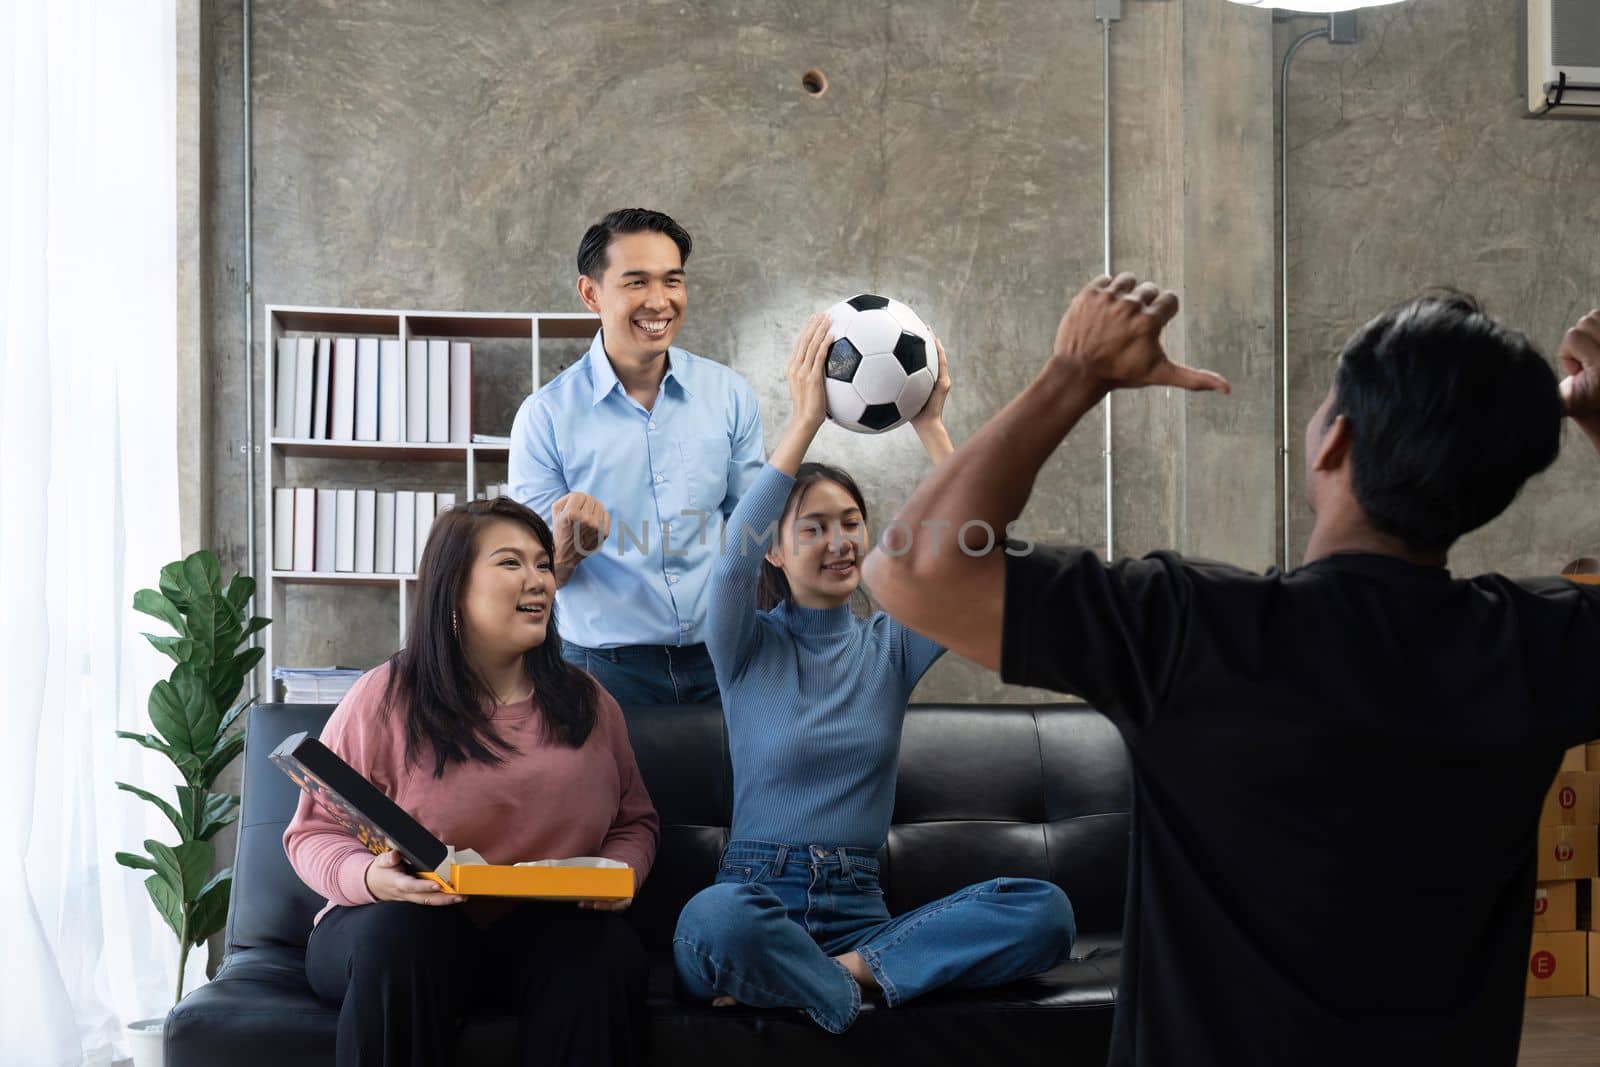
[446, 701]
[774, 587]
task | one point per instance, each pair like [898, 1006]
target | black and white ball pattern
[882, 365]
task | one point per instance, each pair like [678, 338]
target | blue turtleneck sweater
[814, 699]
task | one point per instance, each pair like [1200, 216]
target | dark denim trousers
[767, 932]
[649, 674]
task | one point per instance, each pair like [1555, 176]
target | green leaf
[179, 822]
[161, 607]
[201, 574]
[179, 649]
[255, 625]
[220, 810]
[182, 710]
[220, 757]
[233, 714]
[210, 911]
[239, 591]
[225, 682]
[172, 586]
[136, 861]
[166, 902]
[185, 761]
[194, 865]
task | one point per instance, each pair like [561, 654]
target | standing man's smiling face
[640, 297]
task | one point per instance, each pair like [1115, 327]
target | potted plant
[192, 710]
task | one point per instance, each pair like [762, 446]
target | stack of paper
[315, 685]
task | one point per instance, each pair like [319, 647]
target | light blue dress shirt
[670, 477]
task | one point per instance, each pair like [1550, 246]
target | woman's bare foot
[724, 1002]
[859, 971]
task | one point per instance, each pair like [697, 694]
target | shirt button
[652, 424]
[660, 478]
[683, 627]
[672, 579]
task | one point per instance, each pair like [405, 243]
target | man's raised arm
[938, 566]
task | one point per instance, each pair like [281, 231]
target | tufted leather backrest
[1037, 791]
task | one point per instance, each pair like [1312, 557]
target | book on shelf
[425, 506]
[391, 390]
[460, 391]
[383, 533]
[343, 418]
[438, 392]
[366, 389]
[405, 531]
[319, 392]
[344, 556]
[491, 439]
[366, 530]
[305, 529]
[283, 386]
[416, 391]
[282, 529]
[327, 531]
[305, 366]
[381, 825]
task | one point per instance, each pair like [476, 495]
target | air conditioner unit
[1564, 57]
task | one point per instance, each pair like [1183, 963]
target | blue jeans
[767, 931]
[649, 674]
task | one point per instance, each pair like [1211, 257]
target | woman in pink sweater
[492, 741]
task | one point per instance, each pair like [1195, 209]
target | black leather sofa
[1036, 791]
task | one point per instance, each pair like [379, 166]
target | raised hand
[1112, 330]
[581, 522]
[806, 371]
[388, 879]
[1580, 362]
[932, 412]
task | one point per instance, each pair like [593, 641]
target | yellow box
[1589, 904]
[1555, 907]
[1566, 853]
[1558, 965]
[1573, 800]
[1591, 758]
[543, 883]
[1575, 759]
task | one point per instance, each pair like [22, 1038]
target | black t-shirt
[1338, 774]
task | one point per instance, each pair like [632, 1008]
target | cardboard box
[1573, 800]
[1567, 853]
[1558, 965]
[1555, 907]
[1594, 964]
[1575, 759]
[1592, 756]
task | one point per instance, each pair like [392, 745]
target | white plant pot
[144, 1042]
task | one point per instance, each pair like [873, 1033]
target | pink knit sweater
[547, 801]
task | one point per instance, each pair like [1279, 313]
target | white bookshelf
[457, 462]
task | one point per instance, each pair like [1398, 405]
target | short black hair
[597, 238]
[1450, 411]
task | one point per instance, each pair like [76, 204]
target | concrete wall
[449, 155]
[1411, 166]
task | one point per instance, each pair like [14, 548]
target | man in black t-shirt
[1338, 771]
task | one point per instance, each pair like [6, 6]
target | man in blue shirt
[636, 456]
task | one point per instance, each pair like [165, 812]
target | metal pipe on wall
[1286, 487]
[1107, 12]
[249, 354]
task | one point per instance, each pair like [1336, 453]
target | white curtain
[88, 511]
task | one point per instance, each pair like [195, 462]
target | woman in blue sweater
[815, 698]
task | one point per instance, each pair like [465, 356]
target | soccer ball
[882, 365]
